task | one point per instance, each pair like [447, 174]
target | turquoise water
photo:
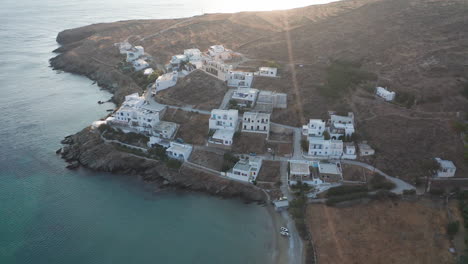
[51, 215]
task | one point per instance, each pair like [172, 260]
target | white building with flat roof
[135, 53]
[341, 126]
[240, 79]
[216, 68]
[165, 129]
[245, 96]
[137, 114]
[218, 52]
[385, 94]
[166, 80]
[222, 137]
[349, 151]
[140, 64]
[315, 128]
[322, 148]
[246, 169]
[365, 150]
[267, 71]
[176, 60]
[224, 119]
[447, 168]
[179, 151]
[256, 122]
[330, 172]
[194, 57]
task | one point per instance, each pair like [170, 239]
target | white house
[245, 96]
[224, 119]
[267, 71]
[140, 64]
[447, 168]
[137, 114]
[365, 150]
[217, 69]
[194, 57]
[322, 148]
[176, 60]
[166, 80]
[256, 122]
[330, 172]
[222, 137]
[341, 126]
[349, 151]
[240, 79]
[123, 47]
[179, 151]
[315, 128]
[135, 53]
[218, 52]
[165, 129]
[246, 169]
[385, 94]
[299, 171]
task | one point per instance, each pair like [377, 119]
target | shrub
[409, 192]
[173, 163]
[158, 152]
[404, 98]
[380, 182]
[347, 197]
[272, 64]
[383, 195]
[452, 228]
[305, 145]
[326, 135]
[346, 189]
[436, 191]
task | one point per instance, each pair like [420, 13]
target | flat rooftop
[299, 168]
[329, 168]
[223, 134]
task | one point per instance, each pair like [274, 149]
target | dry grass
[250, 142]
[198, 89]
[270, 171]
[381, 232]
[206, 158]
[193, 126]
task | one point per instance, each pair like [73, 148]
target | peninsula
[358, 100]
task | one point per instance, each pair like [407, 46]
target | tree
[326, 135]
[305, 145]
[452, 229]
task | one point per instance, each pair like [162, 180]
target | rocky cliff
[87, 149]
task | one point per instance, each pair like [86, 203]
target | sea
[49, 214]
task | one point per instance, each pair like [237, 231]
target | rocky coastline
[88, 150]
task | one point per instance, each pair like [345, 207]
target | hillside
[415, 47]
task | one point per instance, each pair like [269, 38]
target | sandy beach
[286, 250]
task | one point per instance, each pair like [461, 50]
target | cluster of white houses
[135, 55]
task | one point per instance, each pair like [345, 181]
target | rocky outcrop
[87, 149]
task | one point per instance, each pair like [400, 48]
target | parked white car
[284, 233]
[284, 229]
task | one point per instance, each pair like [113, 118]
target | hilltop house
[123, 47]
[341, 126]
[447, 168]
[385, 94]
[218, 52]
[315, 128]
[239, 79]
[256, 122]
[137, 114]
[267, 72]
[245, 97]
[365, 150]
[217, 69]
[134, 53]
[148, 71]
[179, 151]
[194, 57]
[246, 169]
[224, 122]
[322, 148]
[140, 64]
[166, 81]
[330, 172]
[176, 60]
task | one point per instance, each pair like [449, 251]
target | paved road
[400, 184]
[226, 99]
